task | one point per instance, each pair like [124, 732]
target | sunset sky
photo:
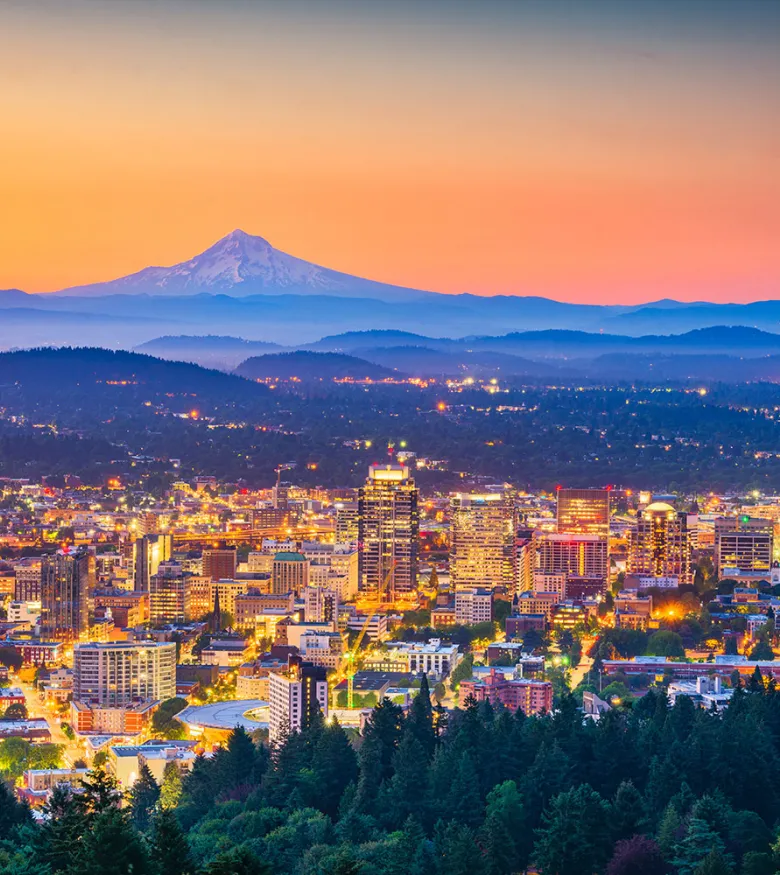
[587, 151]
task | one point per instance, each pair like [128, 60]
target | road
[35, 708]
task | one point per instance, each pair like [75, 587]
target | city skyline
[597, 154]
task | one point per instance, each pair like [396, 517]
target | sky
[602, 151]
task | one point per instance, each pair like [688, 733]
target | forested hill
[309, 366]
[647, 790]
[52, 369]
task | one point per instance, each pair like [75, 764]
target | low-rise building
[125, 760]
[473, 606]
[225, 653]
[531, 696]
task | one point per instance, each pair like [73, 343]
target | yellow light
[441, 406]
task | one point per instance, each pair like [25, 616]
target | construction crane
[350, 656]
[286, 466]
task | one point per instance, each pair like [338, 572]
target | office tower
[481, 539]
[67, 583]
[150, 551]
[321, 605]
[295, 697]
[524, 560]
[199, 596]
[347, 522]
[280, 496]
[123, 673]
[659, 545]
[570, 554]
[219, 563]
[583, 511]
[27, 583]
[388, 532]
[225, 593]
[169, 594]
[744, 544]
[289, 572]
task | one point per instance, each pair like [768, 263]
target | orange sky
[491, 148]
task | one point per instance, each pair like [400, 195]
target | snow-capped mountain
[241, 265]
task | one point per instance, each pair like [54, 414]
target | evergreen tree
[58, 841]
[238, 861]
[700, 839]
[420, 719]
[457, 850]
[112, 847]
[238, 766]
[99, 791]
[385, 728]
[503, 814]
[170, 850]
[628, 811]
[12, 812]
[334, 767]
[143, 798]
[669, 831]
[407, 789]
[574, 835]
[171, 787]
[714, 864]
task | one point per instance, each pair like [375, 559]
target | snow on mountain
[241, 265]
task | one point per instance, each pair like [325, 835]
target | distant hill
[308, 366]
[85, 369]
[211, 351]
[420, 361]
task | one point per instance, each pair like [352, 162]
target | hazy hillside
[308, 366]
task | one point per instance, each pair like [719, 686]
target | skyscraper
[388, 531]
[169, 594]
[149, 552]
[577, 555]
[67, 581]
[481, 540]
[659, 545]
[289, 572]
[583, 511]
[124, 672]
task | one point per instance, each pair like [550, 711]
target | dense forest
[646, 790]
[88, 412]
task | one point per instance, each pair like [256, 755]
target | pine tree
[457, 849]
[100, 791]
[238, 861]
[143, 798]
[171, 787]
[420, 719]
[700, 839]
[668, 831]
[574, 836]
[714, 864]
[170, 850]
[503, 815]
[407, 789]
[12, 812]
[334, 765]
[239, 762]
[627, 811]
[112, 847]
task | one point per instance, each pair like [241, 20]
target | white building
[434, 658]
[294, 697]
[473, 606]
[120, 673]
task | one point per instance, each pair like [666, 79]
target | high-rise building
[347, 522]
[295, 696]
[67, 583]
[524, 561]
[659, 545]
[583, 511]
[149, 552]
[481, 540]
[321, 605]
[123, 673]
[289, 572]
[744, 544]
[219, 563]
[388, 532]
[169, 594]
[747, 552]
[578, 555]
